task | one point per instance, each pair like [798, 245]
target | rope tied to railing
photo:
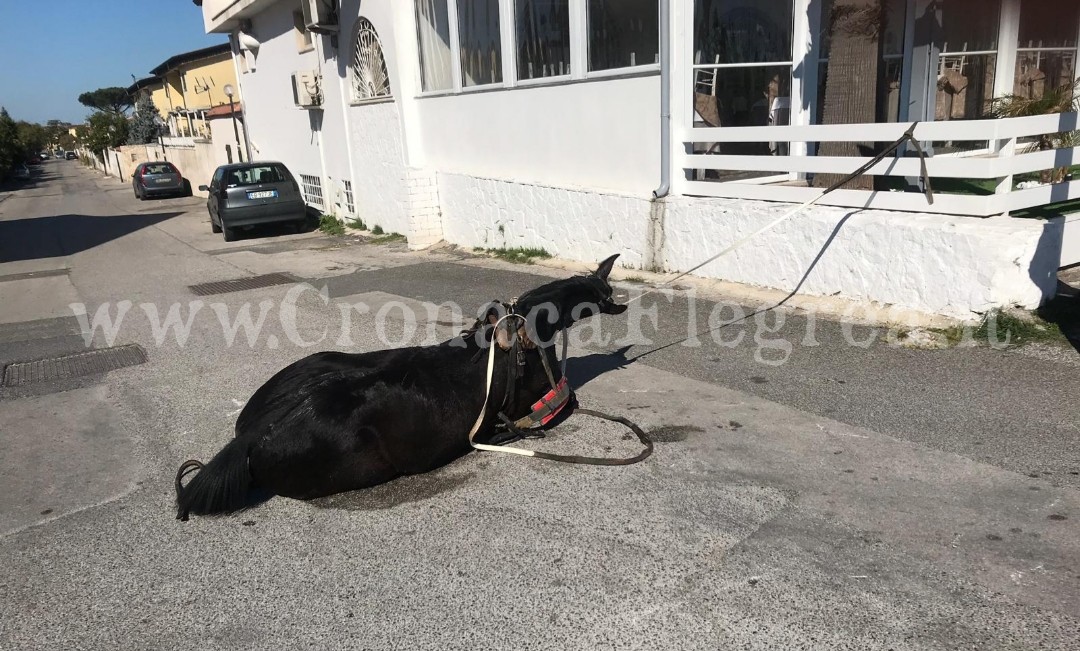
[909, 136]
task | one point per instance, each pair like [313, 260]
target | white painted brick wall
[380, 187]
[939, 264]
[425, 216]
[570, 224]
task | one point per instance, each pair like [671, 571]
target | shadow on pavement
[36, 238]
[1064, 312]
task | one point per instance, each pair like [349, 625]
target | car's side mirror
[203, 188]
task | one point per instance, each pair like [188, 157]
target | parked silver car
[157, 178]
[250, 194]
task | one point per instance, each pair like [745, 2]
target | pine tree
[145, 127]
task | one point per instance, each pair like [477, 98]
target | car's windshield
[255, 175]
[159, 168]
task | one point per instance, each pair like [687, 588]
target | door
[215, 193]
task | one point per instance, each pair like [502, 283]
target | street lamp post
[232, 113]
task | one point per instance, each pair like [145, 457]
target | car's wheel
[229, 233]
[140, 195]
[213, 225]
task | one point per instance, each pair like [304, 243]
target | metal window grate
[312, 187]
[346, 191]
[369, 77]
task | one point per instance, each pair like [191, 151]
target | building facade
[664, 131]
[186, 86]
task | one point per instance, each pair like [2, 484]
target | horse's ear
[605, 267]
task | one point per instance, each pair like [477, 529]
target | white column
[803, 86]
[1008, 35]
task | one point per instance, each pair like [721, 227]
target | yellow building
[187, 85]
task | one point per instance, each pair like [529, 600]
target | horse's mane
[557, 292]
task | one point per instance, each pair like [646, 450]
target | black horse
[335, 422]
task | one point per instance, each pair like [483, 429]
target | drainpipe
[665, 100]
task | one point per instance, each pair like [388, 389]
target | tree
[105, 130]
[9, 143]
[32, 138]
[852, 78]
[146, 125]
[114, 100]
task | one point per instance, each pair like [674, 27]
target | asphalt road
[848, 498]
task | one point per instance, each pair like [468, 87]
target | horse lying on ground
[335, 422]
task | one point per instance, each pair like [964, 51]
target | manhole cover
[74, 365]
[241, 284]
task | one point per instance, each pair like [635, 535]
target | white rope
[788, 215]
[487, 396]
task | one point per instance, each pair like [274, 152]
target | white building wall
[601, 134]
[222, 135]
[571, 224]
[372, 130]
[937, 264]
[278, 130]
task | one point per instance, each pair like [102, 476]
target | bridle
[515, 343]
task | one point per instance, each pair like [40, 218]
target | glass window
[623, 33]
[728, 35]
[1049, 24]
[891, 64]
[742, 31]
[967, 64]
[1046, 47]
[370, 78]
[480, 42]
[433, 34]
[543, 38]
[257, 174]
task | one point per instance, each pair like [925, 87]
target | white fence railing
[1001, 163]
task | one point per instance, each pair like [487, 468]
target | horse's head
[558, 305]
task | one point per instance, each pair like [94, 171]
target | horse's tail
[220, 486]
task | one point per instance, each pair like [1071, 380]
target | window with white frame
[463, 43]
[480, 42]
[433, 36]
[368, 70]
[623, 33]
[967, 63]
[347, 197]
[742, 64]
[542, 31]
[1046, 47]
[312, 188]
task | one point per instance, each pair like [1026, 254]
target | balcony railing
[1007, 156]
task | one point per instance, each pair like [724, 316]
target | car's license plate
[163, 181]
[265, 194]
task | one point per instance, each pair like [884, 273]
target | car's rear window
[160, 168]
[256, 175]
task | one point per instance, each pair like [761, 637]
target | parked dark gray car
[250, 194]
[157, 178]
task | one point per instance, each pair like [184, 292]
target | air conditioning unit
[320, 16]
[307, 89]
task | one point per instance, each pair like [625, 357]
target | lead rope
[909, 136]
[565, 458]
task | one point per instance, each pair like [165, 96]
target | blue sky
[53, 50]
